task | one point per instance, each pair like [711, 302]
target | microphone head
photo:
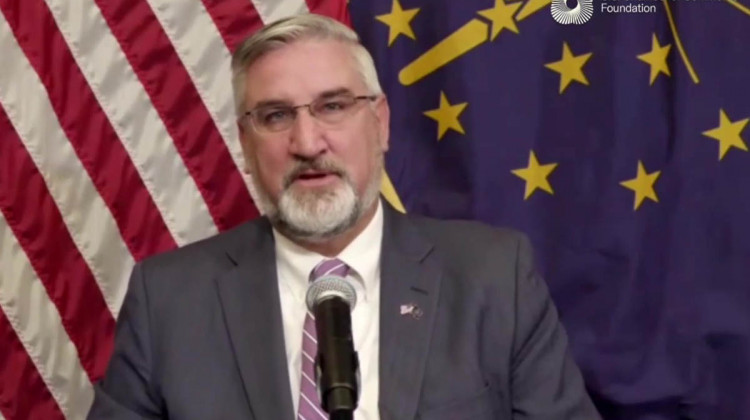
[327, 287]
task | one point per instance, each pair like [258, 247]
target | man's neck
[333, 246]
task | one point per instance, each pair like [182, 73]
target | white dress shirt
[294, 265]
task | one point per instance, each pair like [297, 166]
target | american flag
[117, 141]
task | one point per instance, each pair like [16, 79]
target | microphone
[331, 299]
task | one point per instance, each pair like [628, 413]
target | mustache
[320, 165]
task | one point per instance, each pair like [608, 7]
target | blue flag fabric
[620, 146]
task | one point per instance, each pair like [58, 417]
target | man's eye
[333, 106]
[274, 116]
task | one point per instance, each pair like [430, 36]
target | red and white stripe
[117, 141]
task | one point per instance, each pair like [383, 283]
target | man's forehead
[271, 100]
[309, 68]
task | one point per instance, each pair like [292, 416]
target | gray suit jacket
[200, 335]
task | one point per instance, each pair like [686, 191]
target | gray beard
[317, 216]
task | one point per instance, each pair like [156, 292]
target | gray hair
[288, 30]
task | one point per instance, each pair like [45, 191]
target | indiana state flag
[614, 133]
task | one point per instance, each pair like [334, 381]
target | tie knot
[333, 266]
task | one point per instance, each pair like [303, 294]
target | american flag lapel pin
[411, 309]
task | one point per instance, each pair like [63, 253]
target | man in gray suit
[451, 321]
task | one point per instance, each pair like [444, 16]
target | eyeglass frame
[295, 109]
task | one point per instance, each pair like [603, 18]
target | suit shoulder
[205, 253]
[470, 234]
[478, 253]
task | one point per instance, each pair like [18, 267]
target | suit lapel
[408, 277]
[250, 299]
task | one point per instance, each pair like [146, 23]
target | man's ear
[383, 113]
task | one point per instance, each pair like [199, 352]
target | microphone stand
[342, 415]
[337, 363]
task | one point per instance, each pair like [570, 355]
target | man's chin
[313, 194]
[314, 229]
[316, 213]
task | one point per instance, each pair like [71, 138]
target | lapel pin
[411, 309]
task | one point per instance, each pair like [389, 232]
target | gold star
[656, 58]
[502, 17]
[535, 176]
[398, 21]
[570, 67]
[728, 134]
[447, 116]
[642, 185]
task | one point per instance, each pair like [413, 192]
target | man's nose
[307, 137]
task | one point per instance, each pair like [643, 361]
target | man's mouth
[313, 174]
[315, 178]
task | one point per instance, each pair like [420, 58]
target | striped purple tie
[309, 403]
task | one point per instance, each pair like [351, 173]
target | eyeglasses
[330, 110]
